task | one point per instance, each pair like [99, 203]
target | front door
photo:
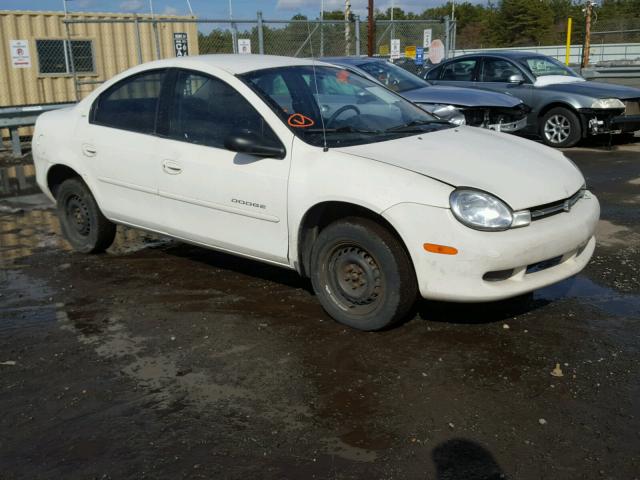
[212, 195]
[497, 74]
[458, 73]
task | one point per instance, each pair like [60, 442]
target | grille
[632, 107]
[543, 265]
[483, 116]
[548, 209]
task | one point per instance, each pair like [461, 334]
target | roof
[351, 60]
[93, 15]
[502, 53]
[237, 64]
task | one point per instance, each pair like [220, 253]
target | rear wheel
[362, 275]
[82, 223]
[560, 127]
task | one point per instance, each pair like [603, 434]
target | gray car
[565, 107]
[496, 111]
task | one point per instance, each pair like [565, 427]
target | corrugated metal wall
[115, 48]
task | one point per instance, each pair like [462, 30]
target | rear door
[212, 195]
[119, 147]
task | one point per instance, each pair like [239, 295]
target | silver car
[564, 106]
[495, 111]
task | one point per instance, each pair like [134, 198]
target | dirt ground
[163, 360]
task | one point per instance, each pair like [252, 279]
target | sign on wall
[395, 48]
[426, 43]
[244, 45]
[181, 44]
[20, 57]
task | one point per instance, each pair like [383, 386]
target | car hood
[595, 89]
[521, 172]
[465, 97]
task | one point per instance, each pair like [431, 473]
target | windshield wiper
[413, 125]
[345, 129]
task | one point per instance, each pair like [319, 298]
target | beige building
[38, 54]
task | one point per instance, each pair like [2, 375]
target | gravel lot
[164, 360]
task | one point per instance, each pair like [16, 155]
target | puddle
[586, 291]
[25, 302]
[18, 180]
[23, 234]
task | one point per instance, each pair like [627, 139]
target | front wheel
[560, 127]
[362, 275]
[81, 221]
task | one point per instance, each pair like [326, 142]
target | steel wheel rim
[77, 212]
[557, 128]
[354, 278]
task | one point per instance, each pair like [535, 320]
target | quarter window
[206, 111]
[55, 56]
[497, 70]
[130, 104]
[459, 71]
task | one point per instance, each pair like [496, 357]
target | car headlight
[446, 112]
[607, 103]
[482, 211]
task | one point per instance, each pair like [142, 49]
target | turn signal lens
[443, 249]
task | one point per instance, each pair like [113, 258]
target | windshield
[543, 66]
[352, 109]
[392, 76]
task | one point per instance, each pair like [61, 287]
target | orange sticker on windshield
[342, 76]
[297, 120]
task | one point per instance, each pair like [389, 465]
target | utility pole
[347, 27]
[322, 28]
[371, 30]
[587, 34]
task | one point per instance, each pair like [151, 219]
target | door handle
[171, 167]
[89, 150]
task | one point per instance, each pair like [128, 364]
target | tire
[81, 221]
[560, 128]
[362, 275]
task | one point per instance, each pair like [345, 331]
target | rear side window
[459, 71]
[130, 104]
[205, 111]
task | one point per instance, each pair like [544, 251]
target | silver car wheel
[557, 129]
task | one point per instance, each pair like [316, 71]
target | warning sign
[20, 57]
[395, 48]
[181, 44]
[383, 50]
[410, 51]
[244, 45]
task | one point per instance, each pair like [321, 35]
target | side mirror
[251, 143]
[516, 78]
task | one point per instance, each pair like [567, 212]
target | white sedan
[311, 167]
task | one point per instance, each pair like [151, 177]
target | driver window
[497, 70]
[460, 71]
[206, 110]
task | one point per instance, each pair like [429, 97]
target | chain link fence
[143, 40]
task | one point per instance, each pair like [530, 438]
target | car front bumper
[495, 265]
[596, 122]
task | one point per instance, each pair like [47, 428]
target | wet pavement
[164, 360]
